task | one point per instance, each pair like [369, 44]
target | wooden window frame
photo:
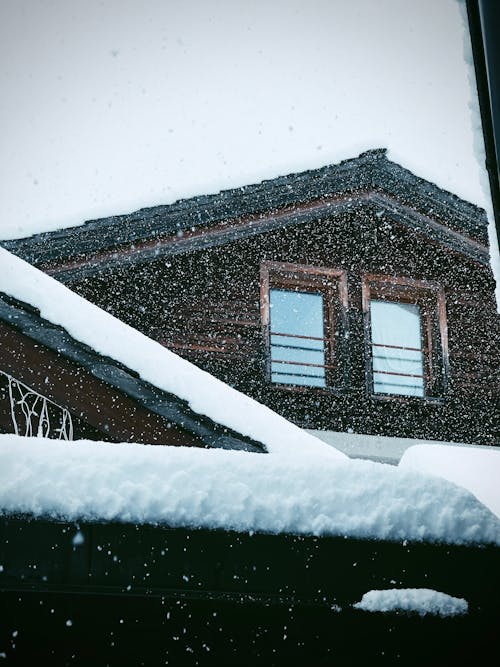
[430, 297]
[332, 285]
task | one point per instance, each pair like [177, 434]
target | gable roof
[368, 180]
[156, 378]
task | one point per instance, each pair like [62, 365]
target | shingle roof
[369, 172]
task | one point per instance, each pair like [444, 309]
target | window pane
[398, 360]
[297, 345]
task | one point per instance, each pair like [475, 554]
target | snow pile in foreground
[181, 486]
[421, 600]
[154, 363]
[477, 469]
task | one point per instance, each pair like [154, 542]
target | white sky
[109, 106]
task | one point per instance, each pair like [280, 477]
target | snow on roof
[286, 108]
[476, 469]
[234, 490]
[386, 185]
[109, 336]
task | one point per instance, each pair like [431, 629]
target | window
[397, 352]
[297, 344]
[303, 316]
[405, 322]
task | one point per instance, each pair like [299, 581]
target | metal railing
[298, 364]
[35, 415]
[399, 373]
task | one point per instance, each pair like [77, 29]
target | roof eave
[25, 319]
[369, 172]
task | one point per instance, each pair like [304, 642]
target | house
[160, 553]
[356, 298]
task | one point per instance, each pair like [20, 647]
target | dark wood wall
[205, 305]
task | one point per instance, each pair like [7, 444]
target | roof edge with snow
[371, 172]
[26, 319]
[115, 352]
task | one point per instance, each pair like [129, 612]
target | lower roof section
[43, 309]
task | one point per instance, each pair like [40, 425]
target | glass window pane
[398, 358]
[297, 345]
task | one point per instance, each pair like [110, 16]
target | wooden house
[353, 298]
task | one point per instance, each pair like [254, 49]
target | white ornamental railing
[36, 415]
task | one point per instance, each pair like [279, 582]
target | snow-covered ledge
[233, 490]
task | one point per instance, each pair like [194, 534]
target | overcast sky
[112, 105]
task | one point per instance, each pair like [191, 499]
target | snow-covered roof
[235, 490]
[287, 109]
[369, 179]
[476, 469]
[112, 338]
[204, 119]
